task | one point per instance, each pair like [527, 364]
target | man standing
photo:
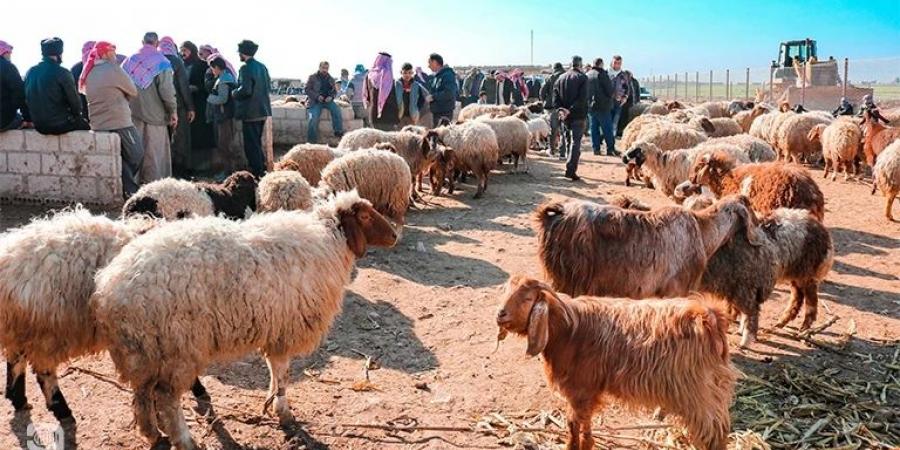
[547, 98]
[252, 106]
[50, 92]
[320, 93]
[13, 111]
[344, 82]
[443, 88]
[108, 90]
[599, 106]
[621, 84]
[155, 107]
[357, 94]
[471, 86]
[489, 87]
[570, 97]
[181, 135]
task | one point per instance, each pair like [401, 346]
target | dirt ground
[418, 321]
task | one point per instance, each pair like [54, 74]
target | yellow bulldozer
[800, 77]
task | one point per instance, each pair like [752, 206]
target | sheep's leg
[144, 409]
[579, 424]
[811, 304]
[199, 391]
[168, 404]
[827, 169]
[750, 325]
[888, 205]
[278, 379]
[793, 308]
[53, 397]
[15, 381]
[482, 185]
[708, 431]
[848, 167]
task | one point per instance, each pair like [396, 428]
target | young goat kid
[669, 353]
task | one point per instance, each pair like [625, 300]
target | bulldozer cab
[799, 51]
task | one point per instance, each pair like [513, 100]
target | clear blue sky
[654, 36]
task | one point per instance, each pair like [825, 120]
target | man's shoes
[573, 177]
[613, 153]
[562, 157]
[597, 152]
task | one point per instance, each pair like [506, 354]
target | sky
[654, 36]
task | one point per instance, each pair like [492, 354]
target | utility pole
[532, 47]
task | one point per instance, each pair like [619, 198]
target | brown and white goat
[590, 249]
[671, 354]
[769, 186]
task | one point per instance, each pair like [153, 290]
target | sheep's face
[743, 219]
[634, 156]
[242, 185]
[709, 167]
[525, 312]
[686, 189]
[707, 125]
[364, 226]
[146, 206]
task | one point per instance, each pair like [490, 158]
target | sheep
[724, 126]
[658, 108]
[756, 149]
[172, 199]
[474, 110]
[769, 186]
[886, 176]
[667, 169]
[513, 138]
[284, 189]
[791, 247]
[273, 283]
[669, 353]
[539, 129]
[791, 136]
[632, 131]
[475, 149]
[47, 273]
[767, 125]
[591, 249]
[418, 129]
[310, 159]
[415, 148]
[442, 169]
[877, 138]
[379, 176]
[672, 136]
[746, 118]
[840, 145]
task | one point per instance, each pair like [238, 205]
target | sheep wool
[791, 137]
[379, 176]
[513, 137]
[840, 145]
[670, 136]
[475, 149]
[754, 148]
[284, 189]
[632, 131]
[886, 175]
[475, 110]
[725, 126]
[311, 159]
[171, 198]
[415, 148]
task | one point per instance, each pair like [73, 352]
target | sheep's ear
[538, 327]
[448, 155]
[353, 232]
[707, 125]
[748, 224]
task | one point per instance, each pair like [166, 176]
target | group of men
[150, 99]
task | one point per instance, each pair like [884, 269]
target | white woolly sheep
[415, 148]
[418, 129]
[886, 175]
[840, 145]
[284, 189]
[475, 149]
[634, 128]
[513, 138]
[724, 126]
[381, 177]
[667, 169]
[791, 137]
[671, 136]
[539, 129]
[284, 273]
[310, 159]
[756, 149]
[474, 110]
[767, 125]
[172, 199]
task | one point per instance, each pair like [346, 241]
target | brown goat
[591, 249]
[769, 186]
[441, 170]
[877, 137]
[670, 353]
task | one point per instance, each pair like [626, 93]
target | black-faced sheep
[591, 249]
[273, 283]
[769, 186]
[173, 199]
[669, 353]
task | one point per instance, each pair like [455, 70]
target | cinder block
[99, 166]
[44, 186]
[11, 185]
[109, 191]
[24, 163]
[2, 161]
[37, 142]
[295, 113]
[12, 140]
[77, 142]
[107, 142]
[80, 189]
[61, 163]
[279, 113]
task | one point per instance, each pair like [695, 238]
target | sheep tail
[548, 213]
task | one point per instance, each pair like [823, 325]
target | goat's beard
[501, 335]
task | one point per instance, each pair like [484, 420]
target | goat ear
[707, 125]
[749, 226]
[538, 327]
[353, 232]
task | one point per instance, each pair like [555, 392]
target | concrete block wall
[290, 124]
[81, 166]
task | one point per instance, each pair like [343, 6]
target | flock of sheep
[197, 273]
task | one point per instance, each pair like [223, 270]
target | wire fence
[882, 75]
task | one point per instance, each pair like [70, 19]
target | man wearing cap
[252, 105]
[51, 95]
[12, 92]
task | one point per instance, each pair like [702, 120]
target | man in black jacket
[51, 95]
[443, 88]
[252, 106]
[547, 98]
[12, 92]
[600, 107]
[570, 96]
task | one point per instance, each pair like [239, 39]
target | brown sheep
[769, 186]
[791, 141]
[441, 170]
[669, 353]
[877, 137]
[590, 249]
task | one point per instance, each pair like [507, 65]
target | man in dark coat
[51, 95]
[252, 106]
[634, 97]
[181, 134]
[600, 93]
[320, 94]
[547, 98]
[534, 88]
[203, 137]
[443, 88]
[472, 86]
[570, 96]
[489, 86]
[13, 110]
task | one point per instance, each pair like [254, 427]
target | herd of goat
[196, 273]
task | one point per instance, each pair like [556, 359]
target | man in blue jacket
[444, 89]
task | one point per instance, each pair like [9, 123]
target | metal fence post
[667, 88]
[727, 84]
[846, 69]
[710, 84]
[772, 82]
[747, 86]
[803, 83]
[697, 86]
[686, 85]
[675, 87]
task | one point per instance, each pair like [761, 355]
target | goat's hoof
[267, 404]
